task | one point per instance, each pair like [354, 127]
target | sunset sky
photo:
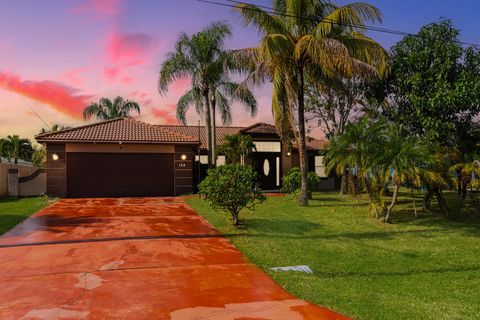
[57, 56]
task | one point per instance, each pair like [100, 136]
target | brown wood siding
[183, 169]
[56, 170]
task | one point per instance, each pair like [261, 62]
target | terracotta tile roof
[134, 131]
[316, 144]
[116, 130]
[193, 132]
[264, 128]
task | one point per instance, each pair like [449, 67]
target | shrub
[292, 181]
[231, 188]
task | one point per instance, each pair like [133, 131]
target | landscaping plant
[292, 182]
[231, 188]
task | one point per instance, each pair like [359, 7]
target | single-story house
[127, 157]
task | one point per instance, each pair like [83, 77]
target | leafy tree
[235, 147]
[106, 109]
[231, 188]
[434, 82]
[18, 148]
[39, 156]
[313, 38]
[333, 103]
[202, 58]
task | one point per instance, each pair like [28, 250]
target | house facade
[126, 157]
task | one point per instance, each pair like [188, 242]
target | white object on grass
[303, 268]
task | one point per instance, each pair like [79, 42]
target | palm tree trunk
[414, 203]
[302, 146]
[214, 135]
[392, 204]
[343, 183]
[208, 126]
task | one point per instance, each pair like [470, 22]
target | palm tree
[54, 128]
[236, 147]
[106, 109]
[465, 172]
[3, 146]
[222, 94]
[381, 153]
[202, 58]
[314, 38]
[405, 160]
[18, 148]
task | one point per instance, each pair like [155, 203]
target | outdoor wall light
[55, 157]
[289, 153]
[183, 157]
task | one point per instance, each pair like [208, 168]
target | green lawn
[14, 211]
[424, 268]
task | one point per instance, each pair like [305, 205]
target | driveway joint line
[179, 236]
[83, 272]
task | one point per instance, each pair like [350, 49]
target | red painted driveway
[134, 258]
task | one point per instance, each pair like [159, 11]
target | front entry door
[267, 165]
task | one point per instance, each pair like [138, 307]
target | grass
[424, 268]
[14, 211]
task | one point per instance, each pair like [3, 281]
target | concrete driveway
[134, 258]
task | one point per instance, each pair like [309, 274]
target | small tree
[236, 146]
[231, 188]
[39, 156]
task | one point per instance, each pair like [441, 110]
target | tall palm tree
[18, 148]
[202, 58]
[222, 94]
[235, 147]
[309, 37]
[106, 109]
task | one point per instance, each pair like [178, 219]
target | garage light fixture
[183, 157]
[55, 157]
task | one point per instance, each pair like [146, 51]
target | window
[220, 160]
[320, 167]
[204, 160]
[268, 146]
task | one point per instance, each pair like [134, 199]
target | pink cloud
[99, 8]
[129, 48]
[111, 73]
[127, 79]
[179, 86]
[168, 113]
[59, 96]
[124, 50]
[74, 76]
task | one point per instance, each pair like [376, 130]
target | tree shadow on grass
[295, 229]
[275, 226]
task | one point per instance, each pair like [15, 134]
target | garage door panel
[119, 175]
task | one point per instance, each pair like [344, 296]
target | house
[127, 157]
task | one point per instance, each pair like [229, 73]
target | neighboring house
[126, 157]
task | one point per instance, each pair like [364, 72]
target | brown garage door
[119, 175]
